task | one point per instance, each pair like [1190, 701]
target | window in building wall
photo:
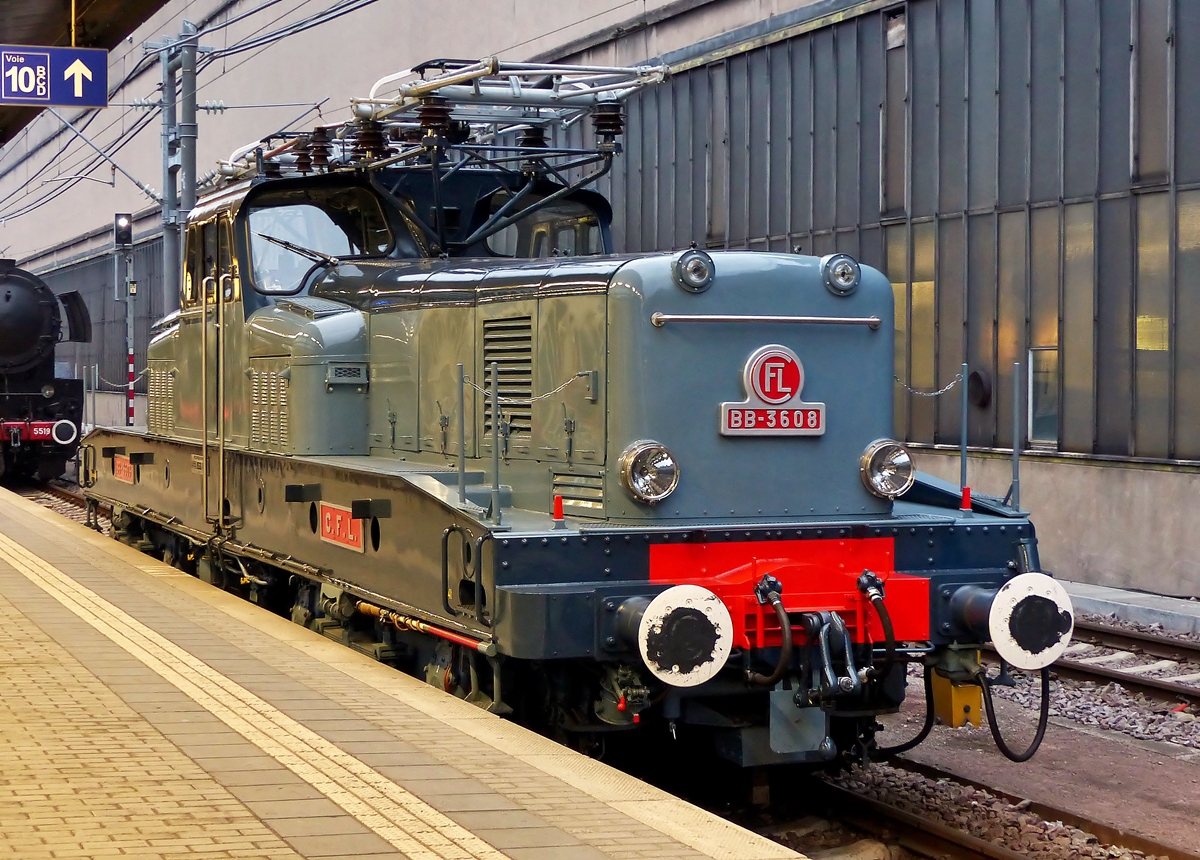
[923, 352]
[1078, 425]
[896, 239]
[1187, 320]
[1151, 59]
[895, 113]
[1043, 397]
[1152, 335]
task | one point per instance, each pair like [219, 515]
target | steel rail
[1151, 644]
[1106, 833]
[916, 833]
[1158, 689]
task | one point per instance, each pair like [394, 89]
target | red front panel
[28, 431]
[817, 575]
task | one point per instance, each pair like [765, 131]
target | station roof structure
[100, 24]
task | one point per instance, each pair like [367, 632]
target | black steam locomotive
[40, 415]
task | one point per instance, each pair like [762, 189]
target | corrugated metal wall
[94, 279]
[1018, 168]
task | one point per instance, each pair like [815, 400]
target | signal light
[123, 229]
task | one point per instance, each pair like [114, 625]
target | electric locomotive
[412, 400]
[40, 415]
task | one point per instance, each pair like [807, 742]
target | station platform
[146, 714]
[1173, 614]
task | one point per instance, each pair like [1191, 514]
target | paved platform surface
[1173, 613]
[146, 714]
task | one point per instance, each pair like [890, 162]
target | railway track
[64, 499]
[926, 836]
[1162, 668]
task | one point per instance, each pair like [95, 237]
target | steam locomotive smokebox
[29, 319]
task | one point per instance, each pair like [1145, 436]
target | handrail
[661, 319]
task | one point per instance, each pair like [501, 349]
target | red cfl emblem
[776, 377]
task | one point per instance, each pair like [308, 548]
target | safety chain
[121, 386]
[957, 379]
[517, 401]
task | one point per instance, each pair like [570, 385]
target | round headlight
[694, 271]
[648, 471]
[47, 391]
[887, 469]
[841, 273]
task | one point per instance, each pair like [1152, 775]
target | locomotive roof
[394, 285]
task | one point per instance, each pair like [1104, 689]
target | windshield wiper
[317, 256]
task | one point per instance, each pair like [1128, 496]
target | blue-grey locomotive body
[414, 401]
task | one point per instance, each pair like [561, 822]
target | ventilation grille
[582, 495]
[268, 410]
[160, 408]
[509, 343]
[346, 374]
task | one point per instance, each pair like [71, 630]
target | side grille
[268, 410]
[346, 374]
[509, 343]
[160, 408]
[582, 495]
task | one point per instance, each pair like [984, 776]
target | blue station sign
[53, 77]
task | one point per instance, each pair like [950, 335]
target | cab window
[336, 222]
[563, 229]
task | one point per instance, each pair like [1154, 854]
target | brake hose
[925, 729]
[889, 635]
[1043, 717]
[785, 650]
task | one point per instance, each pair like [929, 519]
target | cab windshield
[333, 222]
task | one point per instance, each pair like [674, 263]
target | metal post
[219, 296]
[86, 385]
[170, 195]
[462, 437]
[495, 444]
[962, 480]
[95, 385]
[1016, 463]
[187, 123]
[129, 338]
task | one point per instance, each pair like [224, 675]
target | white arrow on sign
[79, 71]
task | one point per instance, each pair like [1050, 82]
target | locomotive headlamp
[694, 271]
[841, 273]
[887, 469]
[648, 471]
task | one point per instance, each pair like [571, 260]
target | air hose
[925, 729]
[1043, 717]
[785, 650]
[889, 635]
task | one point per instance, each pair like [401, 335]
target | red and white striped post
[129, 394]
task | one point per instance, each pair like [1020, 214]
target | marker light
[841, 274]
[887, 469]
[694, 271]
[648, 471]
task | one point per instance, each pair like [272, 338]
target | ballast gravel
[1108, 706]
[980, 814]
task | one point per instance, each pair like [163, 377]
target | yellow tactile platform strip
[412, 769]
